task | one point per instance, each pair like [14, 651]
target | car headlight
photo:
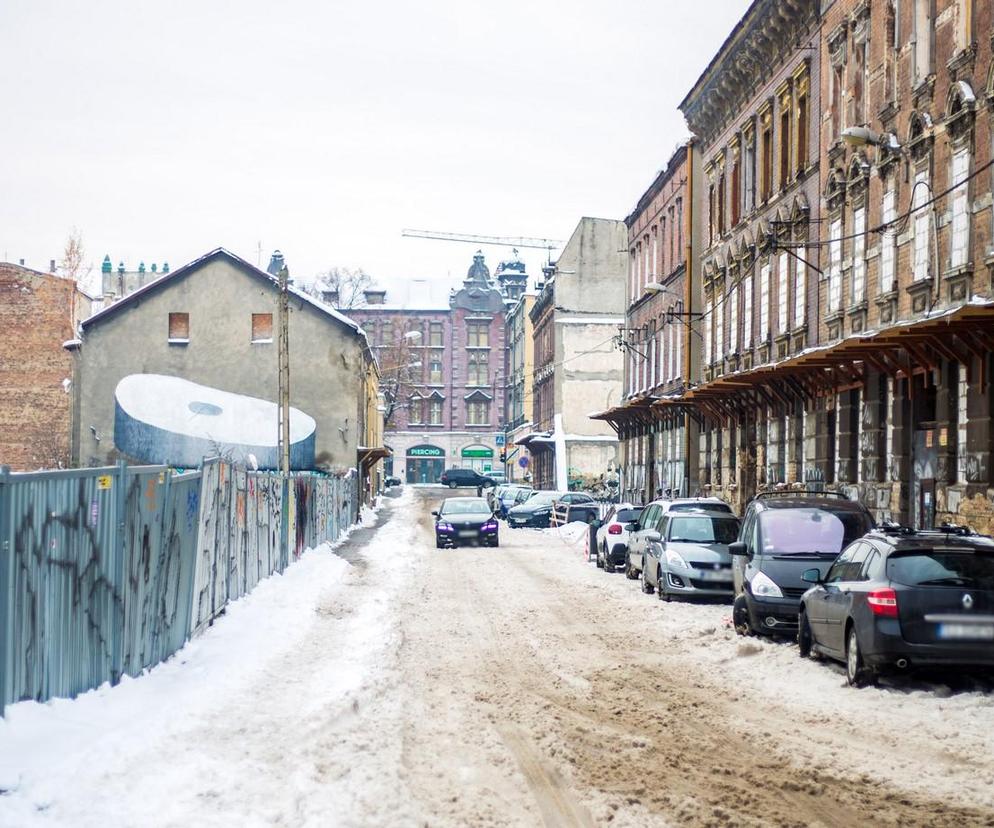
[764, 587]
[444, 527]
[674, 559]
[542, 511]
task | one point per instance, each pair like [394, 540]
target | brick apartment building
[661, 352]
[848, 319]
[442, 355]
[38, 313]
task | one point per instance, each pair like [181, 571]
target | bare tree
[400, 375]
[73, 264]
[347, 283]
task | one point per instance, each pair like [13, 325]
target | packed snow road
[510, 686]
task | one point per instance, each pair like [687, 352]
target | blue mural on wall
[168, 420]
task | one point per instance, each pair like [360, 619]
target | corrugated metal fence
[106, 572]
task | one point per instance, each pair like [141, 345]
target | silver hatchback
[690, 557]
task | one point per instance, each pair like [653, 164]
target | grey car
[687, 556]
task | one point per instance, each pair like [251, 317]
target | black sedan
[898, 600]
[465, 520]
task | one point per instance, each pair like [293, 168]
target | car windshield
[543, 498]
[464, 507]
[810, 531]
[627, 515]
[704, 530]
[938, 567]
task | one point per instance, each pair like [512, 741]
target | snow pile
[236, 727]
[573, 533]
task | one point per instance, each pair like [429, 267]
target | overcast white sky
[163, 130]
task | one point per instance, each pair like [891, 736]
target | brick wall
[38, 312]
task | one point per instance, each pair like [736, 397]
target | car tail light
[614, 529]
[883, 602]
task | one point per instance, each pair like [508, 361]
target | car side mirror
[739, 548]
[435, 514]
[812, 576]
[653, 537]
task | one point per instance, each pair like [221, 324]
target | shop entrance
[425, 464]
[924, 453]
[477, 458]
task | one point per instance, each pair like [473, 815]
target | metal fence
[106, 572]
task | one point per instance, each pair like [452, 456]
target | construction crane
[502, 241]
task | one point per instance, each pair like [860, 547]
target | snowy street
[396, 684]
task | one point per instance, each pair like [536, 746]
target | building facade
[577, 368]
[442, 367]
[187, 367]
[520, 341]
[661, 351]
[38, 313]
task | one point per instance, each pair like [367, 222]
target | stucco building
[38, 313]
[186, 366]
[441, 355]
[578, 369]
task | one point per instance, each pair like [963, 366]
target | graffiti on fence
[112, 570]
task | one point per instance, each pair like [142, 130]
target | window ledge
[173, 341]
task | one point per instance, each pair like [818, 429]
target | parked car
[690, 504]
[783, 534]
[508, 496]
[687, 555]
[392, 481]
[612, 536]
[580, 507]
[465, 520]
[470, 478]
[536, 510]
[497, 475]
[900, 601]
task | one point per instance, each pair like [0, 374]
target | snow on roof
[250, 268]
[414, 294]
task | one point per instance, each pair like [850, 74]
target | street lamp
[860, 136]
[655, 287]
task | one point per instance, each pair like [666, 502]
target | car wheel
[740, 616]
[599, 560]
[646, 586]
[630, 572]
[438, 543]
[452, 484]
[804, 635]
[857, 673]
[662, 593]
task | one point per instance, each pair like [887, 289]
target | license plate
[709, 575]
[468, 533]
[977, 632]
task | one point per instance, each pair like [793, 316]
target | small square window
[262, 327]
[179, 328]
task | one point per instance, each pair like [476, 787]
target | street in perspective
[676, 511]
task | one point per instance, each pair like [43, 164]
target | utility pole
[284, 371]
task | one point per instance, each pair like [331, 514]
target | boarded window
[262, 327]
[179, 327]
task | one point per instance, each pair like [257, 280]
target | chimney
[330, 297]
[21, 262]
[51, 265]
[155, 267]
[165, 267]
[276, 263]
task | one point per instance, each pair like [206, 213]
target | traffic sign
[523, 462]
[499, 439]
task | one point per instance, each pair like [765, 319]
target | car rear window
[940, 567]
[810, 530]
[711, 506]
[465, 507]
[703, 530]
[627, 515]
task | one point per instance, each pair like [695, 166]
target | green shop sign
[425, 451]
[481, 451]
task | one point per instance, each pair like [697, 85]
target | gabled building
[441, 355]
[186, 367]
